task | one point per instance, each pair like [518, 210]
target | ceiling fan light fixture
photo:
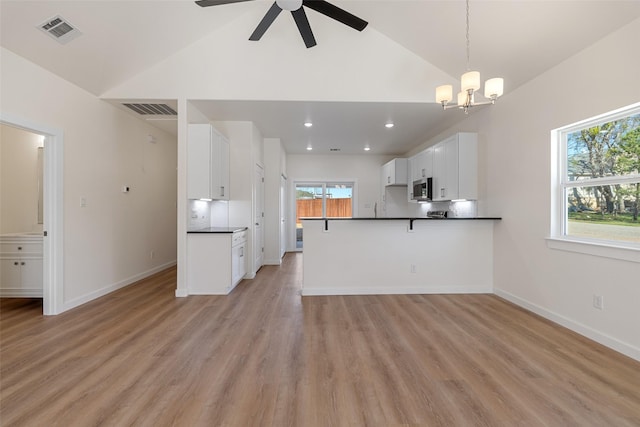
[289, 5]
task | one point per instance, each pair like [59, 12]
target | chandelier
[469, 84]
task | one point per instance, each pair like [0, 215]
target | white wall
[515, 155]
[108, 243]
[18, 180]
[274, 167]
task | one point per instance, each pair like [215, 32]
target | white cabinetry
[238, 259]
[21, 266]
[455, 168]
[207, 163]
[420, 167]
[394, 172]
[216, 262]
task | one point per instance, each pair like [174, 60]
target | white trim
[394, 290]
[20, 293]
[559, 239]
[606, 340]
[607, 249]
[53, 244]
[68, 305]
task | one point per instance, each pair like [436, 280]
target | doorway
[259, 218]
[52, 215]
[322, 200]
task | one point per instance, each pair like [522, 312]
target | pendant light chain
[468, 41]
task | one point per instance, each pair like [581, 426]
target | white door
[258, 230]
[283, 207]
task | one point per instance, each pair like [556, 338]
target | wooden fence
[306, 208]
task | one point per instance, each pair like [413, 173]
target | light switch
[83, 202]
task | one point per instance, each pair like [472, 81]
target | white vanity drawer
[20, 248]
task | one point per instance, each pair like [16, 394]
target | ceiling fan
[297, 10]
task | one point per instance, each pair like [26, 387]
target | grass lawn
[597, 218]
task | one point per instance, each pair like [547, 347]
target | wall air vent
[152, 109]
[334, 149]
[60, 29]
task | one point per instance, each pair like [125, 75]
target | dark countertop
[219, 230]
[405, 218]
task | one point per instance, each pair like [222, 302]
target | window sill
[604, 249]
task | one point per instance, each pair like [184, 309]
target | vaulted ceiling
[517, 40]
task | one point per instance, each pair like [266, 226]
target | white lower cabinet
[216, 262]
[21, 266]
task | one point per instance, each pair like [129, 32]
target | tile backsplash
[466, 209]
[204, 214]
[199, 214]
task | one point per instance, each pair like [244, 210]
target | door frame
[314, 182]
[52, 244]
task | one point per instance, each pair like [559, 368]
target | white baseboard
[599, 337]
[395, 290]
[68, 305]
[20, 293]
[272, 262]
[182, 293]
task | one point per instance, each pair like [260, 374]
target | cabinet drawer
[20, 248]
[239, 237]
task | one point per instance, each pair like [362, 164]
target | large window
[322, 200]
[597, 187]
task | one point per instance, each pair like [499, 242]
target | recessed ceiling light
[308, 124]
[389, 125]
[367, 148]
[309, 147]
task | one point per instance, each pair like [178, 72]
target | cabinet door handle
[423, 174]
[241, 251]
[388, 180]
[222, 191]
[15, 263]
[22, 263]
[442, 192]
[19, 248]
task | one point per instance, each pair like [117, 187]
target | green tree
[627, 163]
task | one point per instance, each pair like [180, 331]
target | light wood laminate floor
[265, 356]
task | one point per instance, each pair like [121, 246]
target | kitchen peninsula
[360, 256]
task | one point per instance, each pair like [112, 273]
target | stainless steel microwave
[423, 189]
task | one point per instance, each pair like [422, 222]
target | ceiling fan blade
[207, 3]
[336, 13]
[303, 26]
[266, 22]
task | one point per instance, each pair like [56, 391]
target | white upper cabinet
[207, 163]
[455, 168]
[394, 172]
[423, 165]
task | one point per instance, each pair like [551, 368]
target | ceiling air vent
[60, 29]
[334, 149]
[152, 109]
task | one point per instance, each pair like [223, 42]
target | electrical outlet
[413, 268]
[598, 302]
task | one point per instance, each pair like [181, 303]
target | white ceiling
[516, 40]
